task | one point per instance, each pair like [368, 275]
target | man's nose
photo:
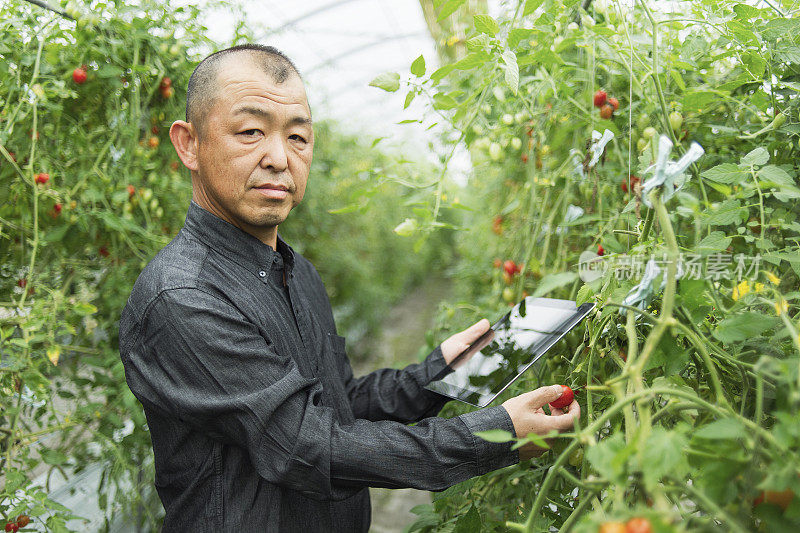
[274, 153]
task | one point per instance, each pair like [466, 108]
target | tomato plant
[690, 362]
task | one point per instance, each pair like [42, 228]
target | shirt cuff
[434, 364]
[491, 455]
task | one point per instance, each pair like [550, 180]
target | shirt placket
[301, 318]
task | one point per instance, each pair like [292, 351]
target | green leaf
[53, 457]
[756, 158]
[725, 173]
[84, 308]
[519, 34]
[743, 11]
[714, 242]
[471, 61]
[775, 176]
[609, 457]
[495, 435]
[663, 455]
[448, 9]
[409, 98]
[441, 72]
[743, 326]
[485, 24]
[530, 7]
[553, 281]
[511, 70]
[729, 212]
[388, 81]
[443, 101]
[698, 101]
[725, 428]
[418, 66]
[469, 522]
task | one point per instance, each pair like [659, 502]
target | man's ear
[184, 138]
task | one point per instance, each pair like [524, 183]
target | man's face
[257, 135]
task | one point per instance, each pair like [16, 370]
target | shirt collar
[235, 243]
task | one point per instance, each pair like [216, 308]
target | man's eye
[297, 137]
[250, 133]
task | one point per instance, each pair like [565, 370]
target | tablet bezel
[478, 399]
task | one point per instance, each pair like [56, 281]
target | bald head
[203, 87]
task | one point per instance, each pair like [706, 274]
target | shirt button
[262, 273]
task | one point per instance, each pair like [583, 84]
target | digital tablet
[499, 356]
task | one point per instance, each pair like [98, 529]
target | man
[229, 342]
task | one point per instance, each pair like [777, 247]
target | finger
[566, 421]
[543, 395]
[473, 332]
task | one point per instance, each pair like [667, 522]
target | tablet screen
[510, 346]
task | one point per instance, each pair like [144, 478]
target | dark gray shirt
[256, 419]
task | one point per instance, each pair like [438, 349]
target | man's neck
[268, 235]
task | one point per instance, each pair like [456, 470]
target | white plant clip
[599, 143]
[670, 175]
[577, 162]
[641, 295]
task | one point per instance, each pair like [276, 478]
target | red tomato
[42, 178]
[23, 520]
[606, 111]
[131, 191]
[509, 267]
[564, 400]
[614, 103]
[600, 250]
[600, 98]
[780, 498]
[79, 76]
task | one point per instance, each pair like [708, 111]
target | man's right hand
[528, 416]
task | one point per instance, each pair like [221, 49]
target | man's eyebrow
[252, 110]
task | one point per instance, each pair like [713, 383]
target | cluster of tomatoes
[497, 225]
[629, 185]
[607, 105]
[510, 268]
[634, 525]
[165, 87]
[21, 521]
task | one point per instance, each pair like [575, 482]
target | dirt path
[402, 335]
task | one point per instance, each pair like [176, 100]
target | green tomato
[641, 144]
[675, 121]
[495, 151]
[508, 294]
[507, 119]
[649, 133]
[576, 457]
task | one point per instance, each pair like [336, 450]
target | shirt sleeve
[391, 394]
[197, 358]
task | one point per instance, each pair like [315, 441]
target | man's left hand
[456, 344]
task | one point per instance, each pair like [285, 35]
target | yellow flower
[773, 278]
[781, 306]
[759, 287]
[740, 290]
[452, 40]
